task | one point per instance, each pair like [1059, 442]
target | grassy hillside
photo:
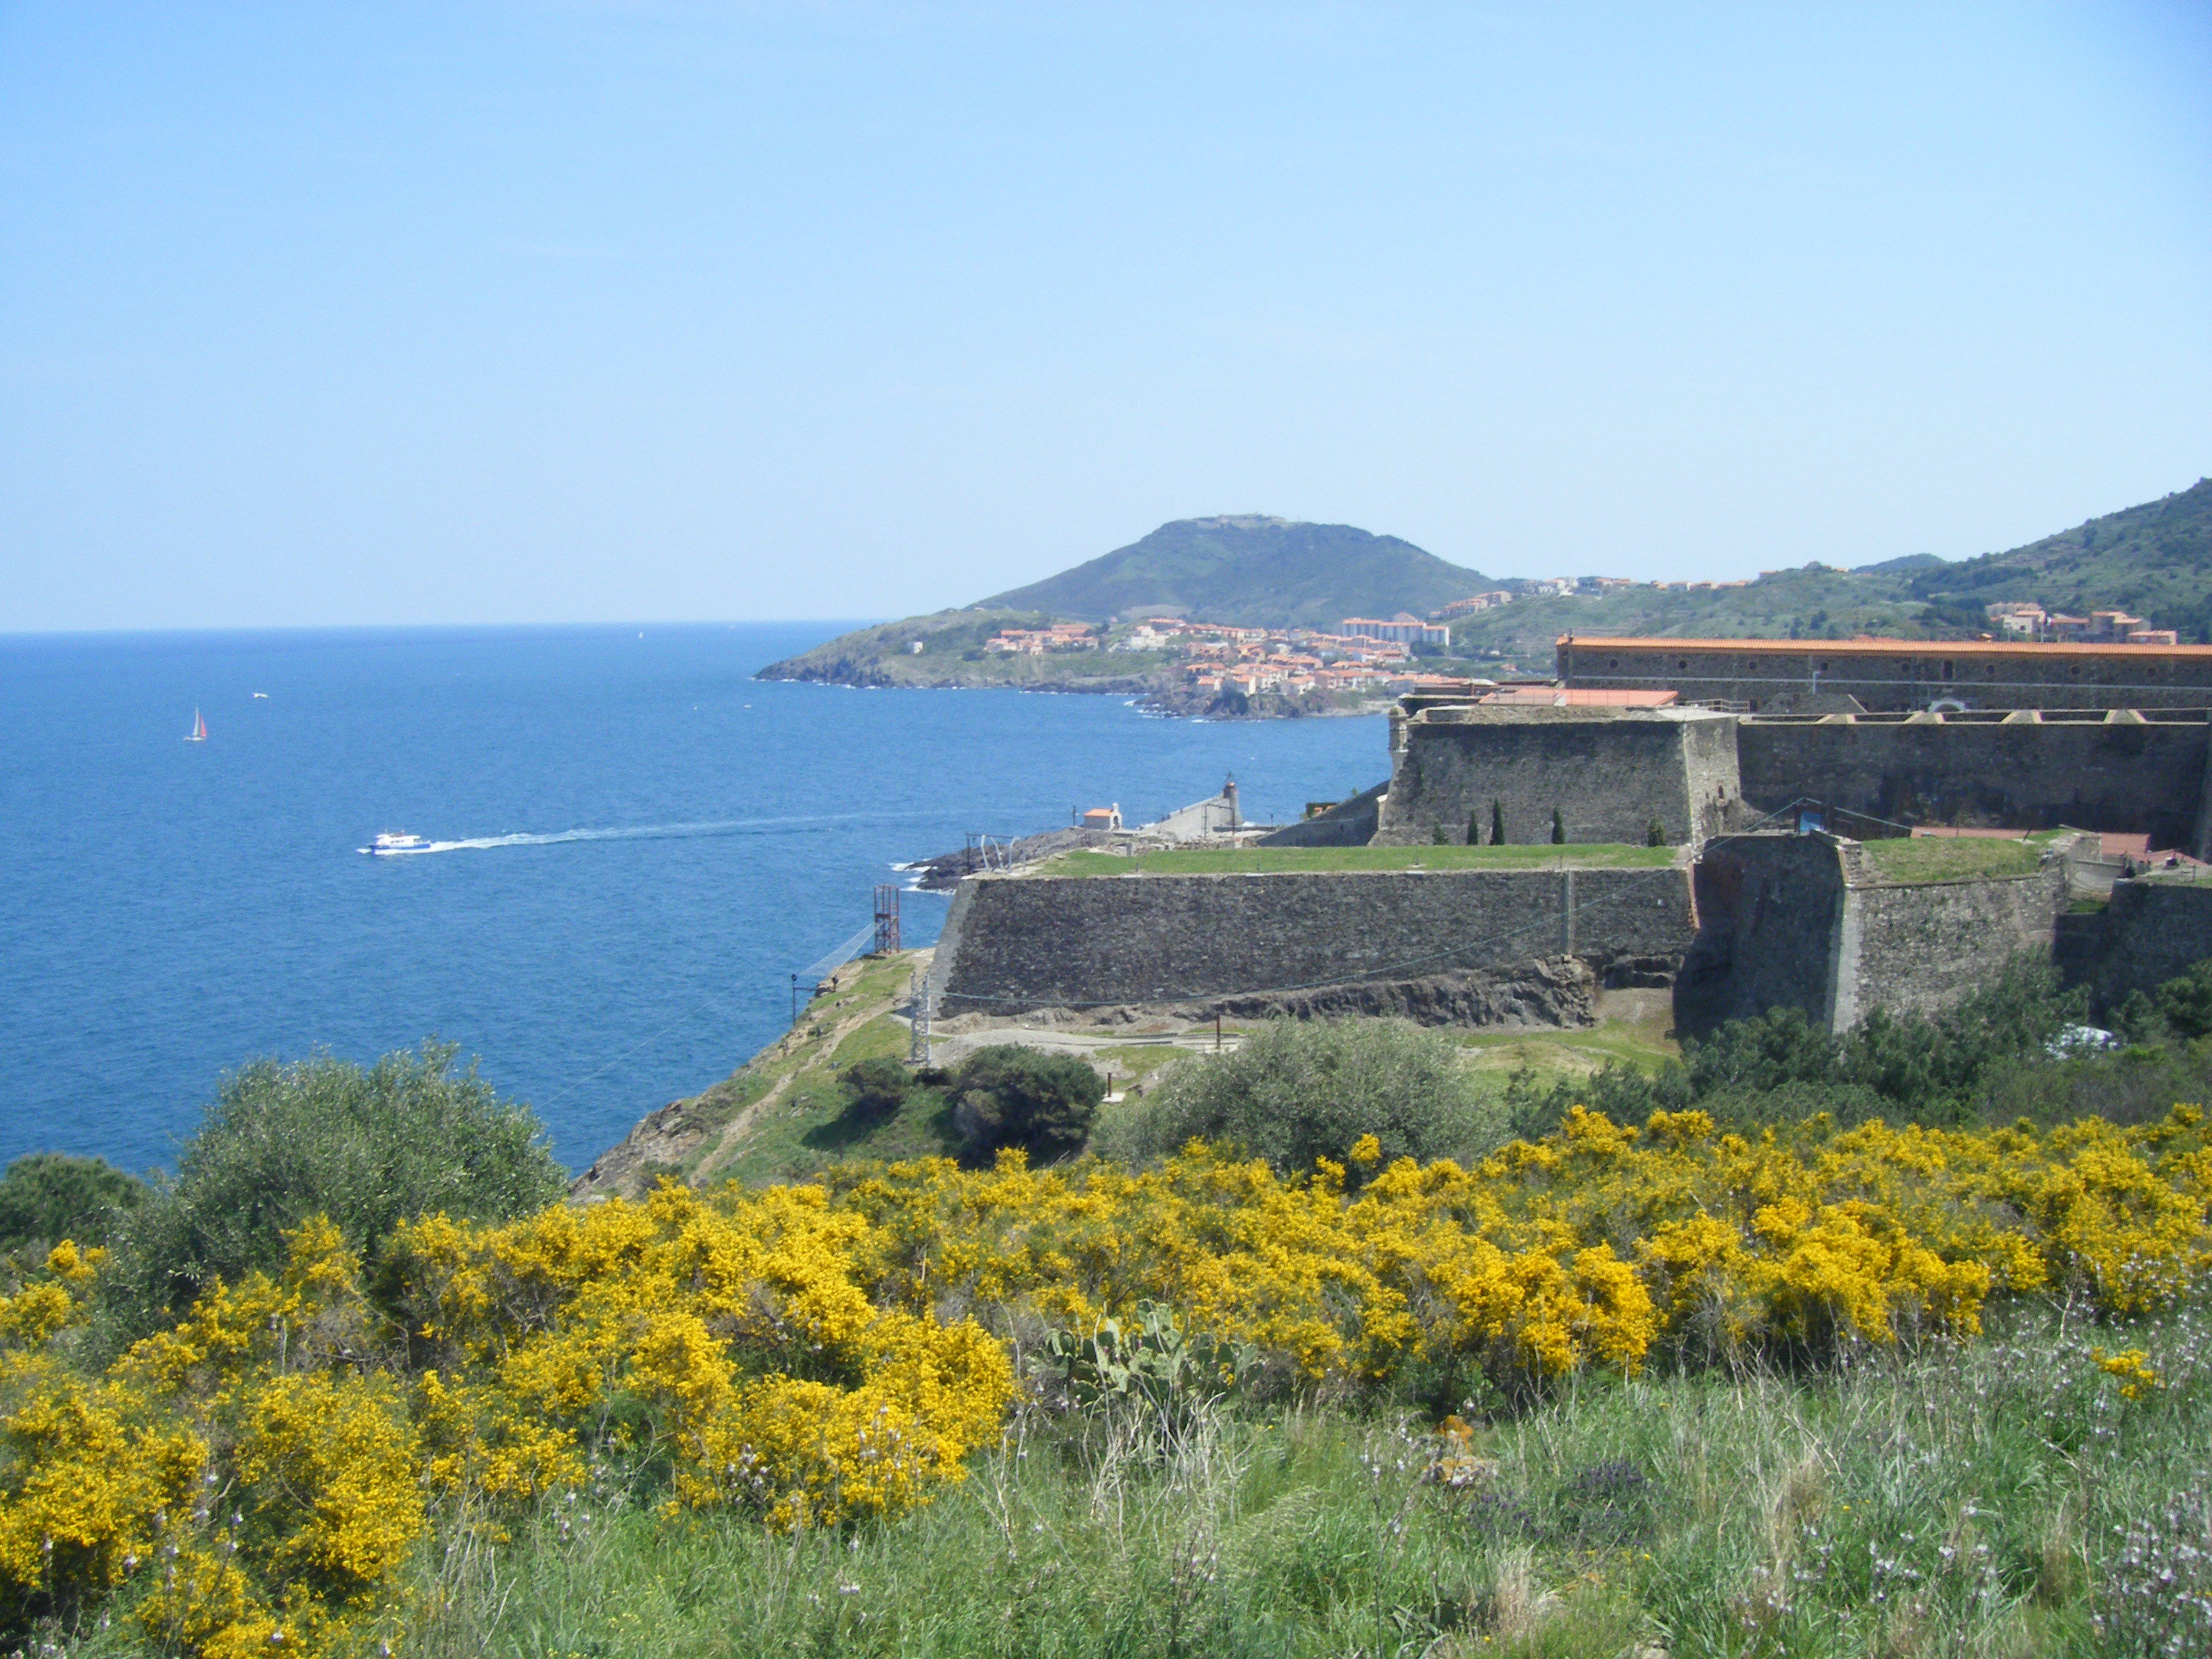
[1255, 572]
[2155, 560]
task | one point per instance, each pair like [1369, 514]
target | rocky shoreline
[1165, 694]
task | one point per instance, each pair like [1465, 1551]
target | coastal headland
[1247, 616]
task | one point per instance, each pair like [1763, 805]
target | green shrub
[1624, 1093]
[2185, 1003]
[1559, 828]
[1440, 836]
[1983, 1059]
[1007, 1095]
[369, 1148]
[50, 1196]
[1496, 823]
[878, 1086]
[1928, 1066]
[1655, 833]
[1297, 1089]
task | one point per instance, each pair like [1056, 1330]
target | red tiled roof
[1886, 647]
[1545, 697]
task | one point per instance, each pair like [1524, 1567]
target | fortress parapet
[1809, 922]
[1823, 676]
[1609, 774]
[1021, 944]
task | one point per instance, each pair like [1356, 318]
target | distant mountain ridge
[1251, 571]
[2154, 559]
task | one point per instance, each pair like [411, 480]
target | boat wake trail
[632, 832]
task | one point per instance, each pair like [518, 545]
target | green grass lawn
[1952, 858]
[1985, 1497]
[1277, 860]
[1643, 1043]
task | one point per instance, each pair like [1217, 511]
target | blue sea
[640, 844]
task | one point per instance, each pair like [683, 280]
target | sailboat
[198, 734]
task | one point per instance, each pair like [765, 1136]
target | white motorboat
[392, 841]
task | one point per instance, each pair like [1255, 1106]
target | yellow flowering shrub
[251, 1462]
[740, 1324]
[1599, 1245]
[260, 1474]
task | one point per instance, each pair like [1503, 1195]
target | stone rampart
[2118, 771]
[1768, 906]
[1348, 824]
[1806, 921]
[2150, 933]
[1014, 945]
[1780, 675]
[1609, 773]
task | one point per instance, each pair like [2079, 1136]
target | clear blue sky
[476, 313]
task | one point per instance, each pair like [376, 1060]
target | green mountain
[1252, 572]
[2155, 560]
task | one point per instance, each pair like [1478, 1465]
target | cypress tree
[1559, 828]
[1496, 823]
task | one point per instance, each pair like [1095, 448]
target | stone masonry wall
[1804, 921]
[1015, 944]
[1609, 773]
[1348, 824]
[2150, 933]
[1766, 676]
[1914, 950]
[2121, 774]
[1768, 911]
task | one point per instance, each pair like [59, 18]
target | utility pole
[918, 1018]
[794, 999]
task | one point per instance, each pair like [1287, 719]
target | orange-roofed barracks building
[1880, 676]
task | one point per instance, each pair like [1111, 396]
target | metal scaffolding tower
[887, 919]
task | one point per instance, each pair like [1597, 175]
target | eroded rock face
[661, 1140]
[1549, 991]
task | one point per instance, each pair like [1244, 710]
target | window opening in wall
[1947, 668]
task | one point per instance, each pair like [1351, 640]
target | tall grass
[2030, 1493]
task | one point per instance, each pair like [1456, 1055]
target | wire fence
[825, 965]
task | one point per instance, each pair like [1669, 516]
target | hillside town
[1369, 655]
[1365, 655]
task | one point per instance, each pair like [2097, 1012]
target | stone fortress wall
[1012, 945]
[1609, 773]
[1806, 921]
[1819, 675]
[2152, 930]
[2124, 770]
[1761, 919]
[1612, 771]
